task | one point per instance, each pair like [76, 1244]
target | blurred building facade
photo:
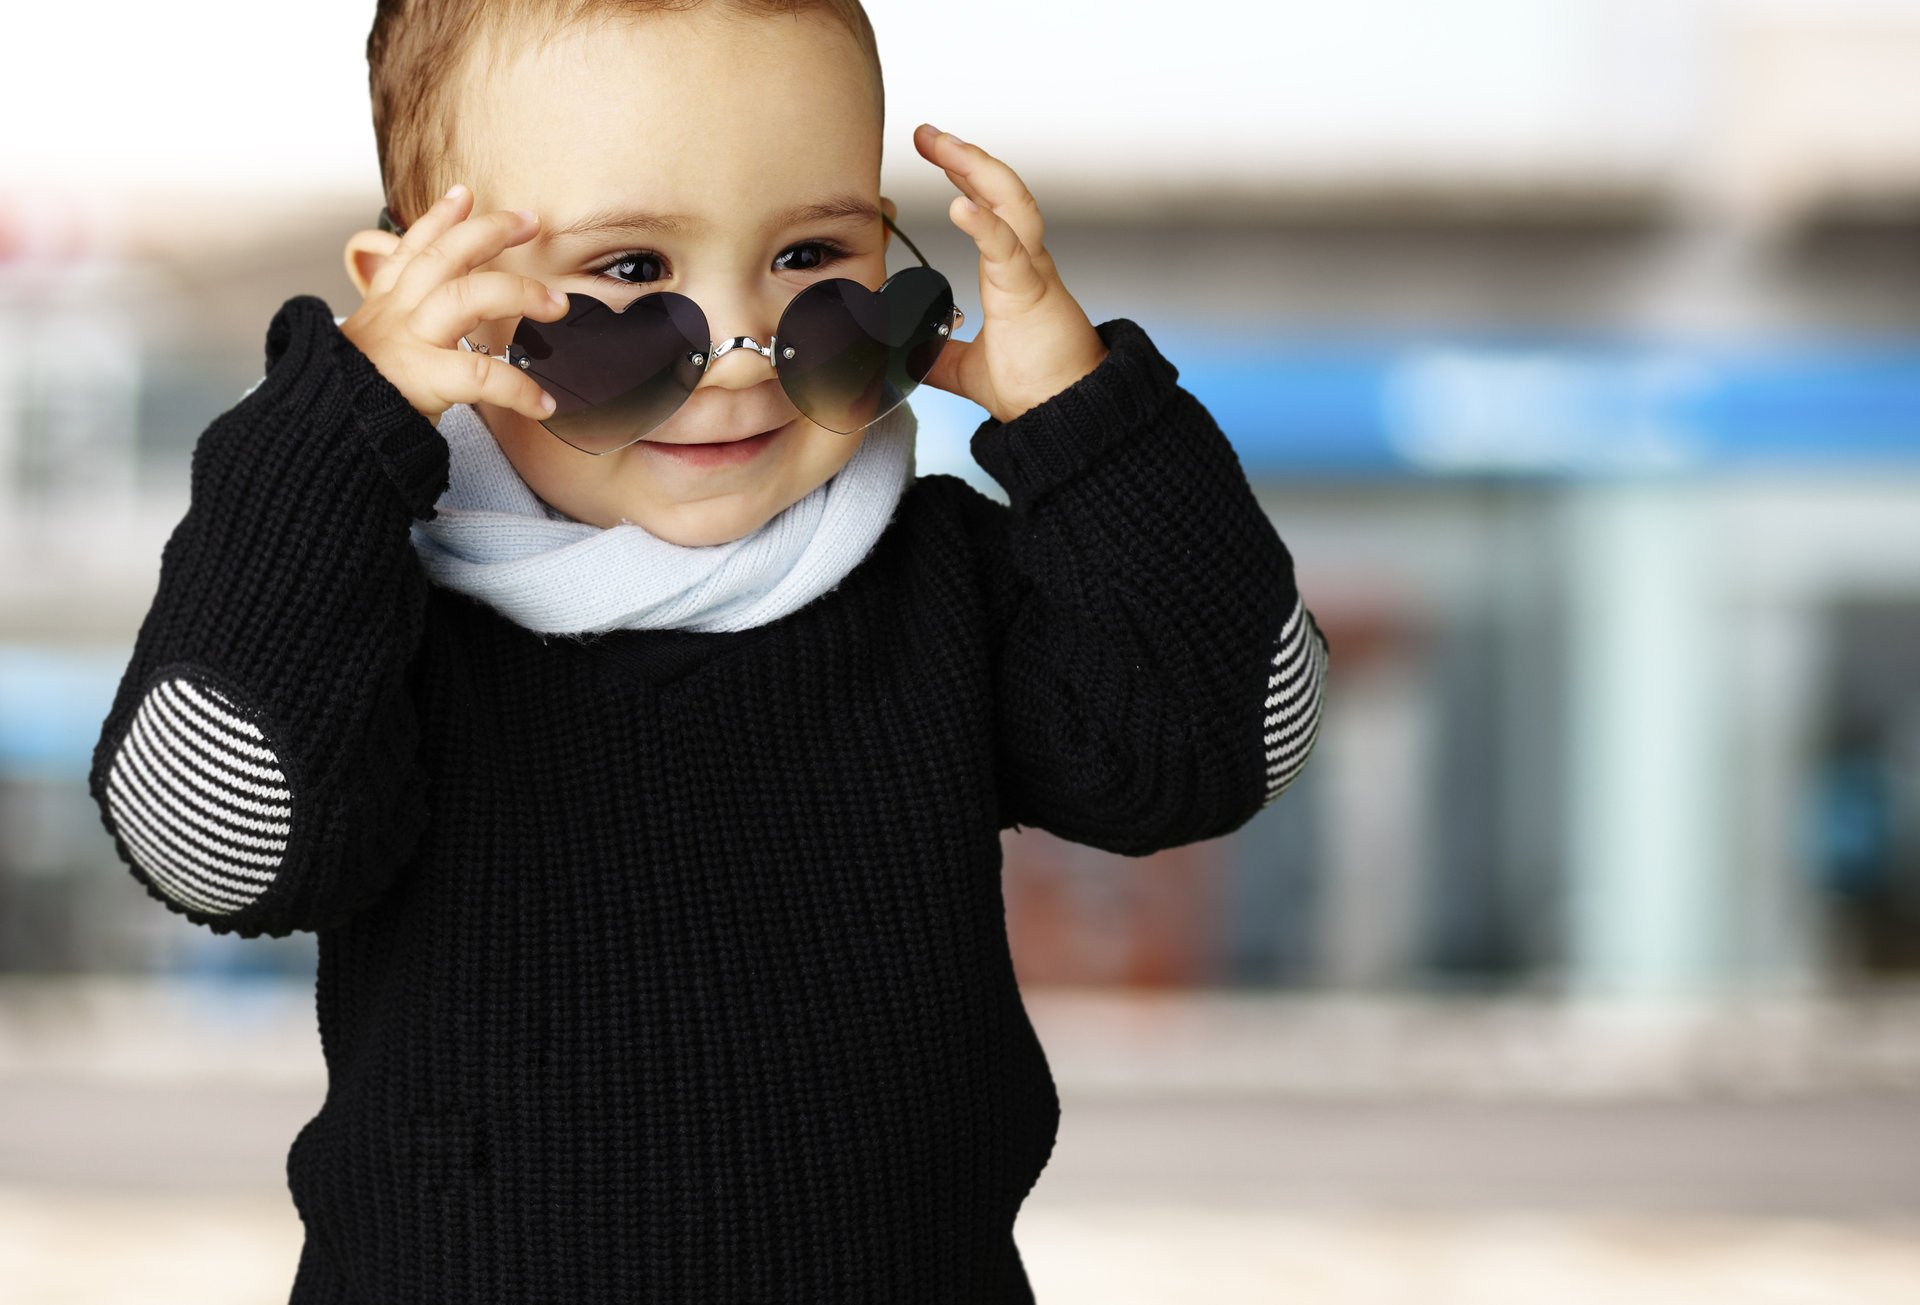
[1585, 391]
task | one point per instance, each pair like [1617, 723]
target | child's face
[723, 123]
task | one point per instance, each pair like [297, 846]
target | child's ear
[364, 253]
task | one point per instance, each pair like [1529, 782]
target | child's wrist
[1051, 387]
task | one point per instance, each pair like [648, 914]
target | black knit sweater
[666, 966]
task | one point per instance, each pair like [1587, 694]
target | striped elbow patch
[199, 797]
[1295, 680]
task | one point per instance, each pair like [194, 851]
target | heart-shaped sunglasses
[846, 355]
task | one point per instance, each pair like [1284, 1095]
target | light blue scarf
[494, 539]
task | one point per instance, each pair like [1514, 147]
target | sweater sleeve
[1158, 676]
[258, 769]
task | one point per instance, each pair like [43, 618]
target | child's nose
[738, 362]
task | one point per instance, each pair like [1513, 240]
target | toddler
[642, 772]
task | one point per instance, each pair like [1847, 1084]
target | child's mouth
[718, 454]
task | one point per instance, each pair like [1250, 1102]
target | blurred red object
[1078, 915]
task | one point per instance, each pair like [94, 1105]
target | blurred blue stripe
[1542, 407]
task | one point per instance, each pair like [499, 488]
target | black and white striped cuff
[197, 793]
[1294, 688]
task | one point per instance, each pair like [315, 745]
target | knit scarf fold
[494, 539]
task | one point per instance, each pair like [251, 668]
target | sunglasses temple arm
[959, 314]
[904, 236]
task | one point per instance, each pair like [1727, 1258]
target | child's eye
[641, 266]
[826, 252]
[622, 263]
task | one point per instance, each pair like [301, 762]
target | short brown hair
[417, 48]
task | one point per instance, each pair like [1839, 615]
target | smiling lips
[719, 452]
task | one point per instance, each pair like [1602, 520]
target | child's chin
[704, 523]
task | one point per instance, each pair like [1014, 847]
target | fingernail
[557, 297]
[546, 402]
[455, 193]
[971, 206]
[527, 213]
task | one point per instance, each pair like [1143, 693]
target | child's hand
[1035, 341]
[426, 297]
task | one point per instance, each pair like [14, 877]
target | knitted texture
[669, 965]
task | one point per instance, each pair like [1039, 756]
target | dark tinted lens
[613, 376]
[859, 353]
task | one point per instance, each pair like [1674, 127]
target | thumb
[949, 367]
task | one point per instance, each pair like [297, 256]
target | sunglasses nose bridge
[727, 346]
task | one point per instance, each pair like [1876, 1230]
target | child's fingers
[430, 225]
[460, 376]
[936, 152]
[948, 367]
[987, 181]
[455, 308]
[1005, 264]
[458, 250]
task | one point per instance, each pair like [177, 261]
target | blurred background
[1574, 346]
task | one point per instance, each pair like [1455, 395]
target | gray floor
[1338, 1154]
[1836, 1157]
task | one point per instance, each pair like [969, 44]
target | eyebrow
[633, 222]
